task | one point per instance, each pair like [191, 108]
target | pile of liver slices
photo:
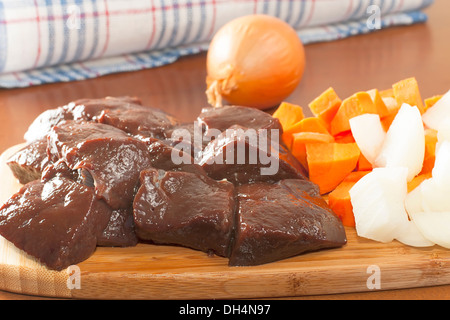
[101, 172]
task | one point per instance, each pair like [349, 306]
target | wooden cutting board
[169, 272]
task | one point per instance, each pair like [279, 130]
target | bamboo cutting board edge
[168, 272]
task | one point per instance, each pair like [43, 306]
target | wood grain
[170, 272]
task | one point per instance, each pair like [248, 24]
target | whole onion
[255, 61]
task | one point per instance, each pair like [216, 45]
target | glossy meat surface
[185, 209]
[111, 172]
[120, 231]
[220, 119]
[82, 109]
[139, 121]
[57, 222]
[278, 221]
[172, 156]
[91, 109]
[45, 122]
[28, 163]
[244, 156]
[112, 158]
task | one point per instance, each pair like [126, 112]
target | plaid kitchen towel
[47, 41]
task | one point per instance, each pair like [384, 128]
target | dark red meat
[216, 120]
[185, 209]
[82, 109]
[28, 163]
[58, 221]
[278, 221]
[113, 159]
[138, 121]
[243, 155]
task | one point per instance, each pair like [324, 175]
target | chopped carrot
[344, 137]
[417, 180]
[288, 114]
[340, 202]
[324, 144]
[387, 121]
[339, 199]
[302, 138]
[330, 163]
[391, 105]
[407, 91]
[358, 104]
[430, 150]
[429, 102]
[326, 105]
[363, 164]
[354, 176]
[388, 93]
[382, 109]
[309, 124]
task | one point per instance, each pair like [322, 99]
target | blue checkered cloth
[48, 41]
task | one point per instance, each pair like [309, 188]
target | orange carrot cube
[326, 105]
[407, 91]
[288, 114]
[358, 104]
[330, 163]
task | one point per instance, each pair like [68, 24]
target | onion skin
[255, 61]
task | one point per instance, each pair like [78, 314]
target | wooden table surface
[375, 60]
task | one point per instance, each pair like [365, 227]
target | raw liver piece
[57, 222]
[66, 137]
[278, 221]
[112, 158]
[216, 120]
[28, 163]
[185, 209]
[82, 109]
[60, 169]
[172, 156]
[143, 122]
[189, 133]
[91, 109]
[45, 122]
[120, 229]
[243, 156]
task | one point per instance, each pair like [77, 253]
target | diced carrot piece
[417, 180]
[363, 164]
[339, 199]
[288, 114]
[430, 151]
[302, 138]
[407, 91]
[326, 105]
[356, 175]
[344, 137]
[340, 202]
[388, 93]
[382, 109]
[387, 121]
[330, 163]
[429, 102]
[358, 104]
[391, 105]
[309, 124]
